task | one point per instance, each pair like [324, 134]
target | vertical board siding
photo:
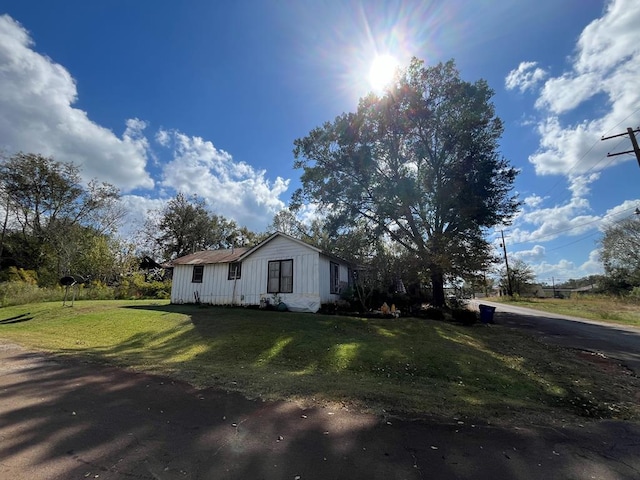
[216, 289]
[305, 270]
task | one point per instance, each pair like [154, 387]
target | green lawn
[594, 307]
[404, 366]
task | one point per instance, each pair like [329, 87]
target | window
[235, 269]
[334, 274]
[198, 271]
[280, 276]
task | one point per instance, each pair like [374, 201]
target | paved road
[616, 341]
[68, 419]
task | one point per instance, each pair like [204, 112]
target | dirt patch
[604, 363]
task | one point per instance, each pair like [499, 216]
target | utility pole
[506, 262]
[634, 142]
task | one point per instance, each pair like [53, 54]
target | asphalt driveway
[619, 342]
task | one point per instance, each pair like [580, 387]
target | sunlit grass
[408, 366]
[603, 308]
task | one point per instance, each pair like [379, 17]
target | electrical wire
[572, 228]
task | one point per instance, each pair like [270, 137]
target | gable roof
[276, 235]
[211, 256]
[240, 253]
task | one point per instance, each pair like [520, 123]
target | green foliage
[635, 293]
[20, 293]
[52, 216]
[136, 286]
[522, 278]
[15, 274]
[419, 165]
[185, 226]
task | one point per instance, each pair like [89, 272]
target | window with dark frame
[280, 276]
[198, 272]
[235, 270]
[334, 273]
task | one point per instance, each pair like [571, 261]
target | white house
[280, 269]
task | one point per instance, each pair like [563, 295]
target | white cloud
[36, 101]
[606, 64]
[564, 269]
[233, 189]
[525, 77]
[625, 210]
[533, 201]
[537, 253]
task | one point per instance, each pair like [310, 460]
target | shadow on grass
[16, 319]
[72, 419]
[409, 366]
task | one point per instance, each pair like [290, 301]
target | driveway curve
[619, 342]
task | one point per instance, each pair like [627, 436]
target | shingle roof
[211, 256]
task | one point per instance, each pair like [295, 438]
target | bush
[135, 286]
[430, 313]
[14, 274]
[20, 293]
[464, 316]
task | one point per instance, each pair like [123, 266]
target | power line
[634, 143]
[573, 228]
[591, 234]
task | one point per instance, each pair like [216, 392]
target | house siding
[305, 271]
[216, 289]
[325, 278]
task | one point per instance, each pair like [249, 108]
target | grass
[405, 366]
[595, 307]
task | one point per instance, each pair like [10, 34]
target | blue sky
[207, 98]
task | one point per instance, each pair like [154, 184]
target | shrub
[135, 286]
[20, 293]
[431, 313]
[464, 316]
[14, 274]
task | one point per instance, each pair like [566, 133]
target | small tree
[522, 277]
[620, 254]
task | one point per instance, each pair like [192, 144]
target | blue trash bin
[486, 313]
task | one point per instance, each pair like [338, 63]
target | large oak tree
[420, 164]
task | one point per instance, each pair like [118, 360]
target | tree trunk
[437, 285]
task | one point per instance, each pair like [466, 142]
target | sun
[382, 71]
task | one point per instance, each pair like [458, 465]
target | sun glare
[382, 70]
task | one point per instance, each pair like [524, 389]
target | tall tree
[184, 226]
[420, 165]
[620, 245]
[46, 201]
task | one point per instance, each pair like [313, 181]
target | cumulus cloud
[533, 201]
[535, 254]
[604, 69]
[564, 269]
[625, 210]
[527, 76]
[36, 99]
[231, 188]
